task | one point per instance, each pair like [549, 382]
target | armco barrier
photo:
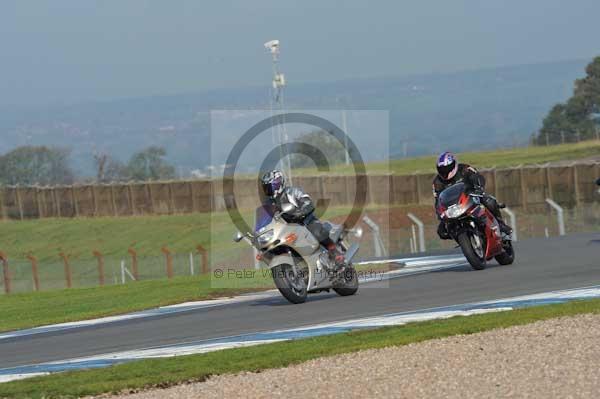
[524, 187]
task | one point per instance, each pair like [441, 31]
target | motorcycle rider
[451, 172]
[278, 193]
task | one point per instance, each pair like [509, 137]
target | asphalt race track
[571, 261]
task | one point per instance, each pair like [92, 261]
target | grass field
[483, 159]
[26, 310]
[166, 372]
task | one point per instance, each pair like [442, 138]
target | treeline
[44, 165]
[579, 118]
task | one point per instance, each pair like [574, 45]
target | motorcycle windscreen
[264, 215]
[451, 195]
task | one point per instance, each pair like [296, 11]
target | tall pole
[345, 127]
[278, 106]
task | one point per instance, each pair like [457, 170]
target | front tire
[291, 283]
[348, 284]
[473, 252]
[508, 256]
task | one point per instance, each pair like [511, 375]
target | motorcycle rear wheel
[349, 284]
[293, 287]
[466, 240]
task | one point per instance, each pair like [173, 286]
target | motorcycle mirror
[287, 207]
[237, 237]
[598, 182]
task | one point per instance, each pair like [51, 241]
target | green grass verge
[165, 372]
[26, 310]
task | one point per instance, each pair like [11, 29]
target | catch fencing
[524, 187]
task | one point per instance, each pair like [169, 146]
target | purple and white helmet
[273, 183]
[447, 166]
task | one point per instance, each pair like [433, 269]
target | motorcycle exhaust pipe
[351, 252]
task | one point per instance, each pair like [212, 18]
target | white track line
[413, 266]
[210, 345]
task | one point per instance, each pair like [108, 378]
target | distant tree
[324, 142]
[150, 164]
[30, 165]
[109, 169]
[572, 121]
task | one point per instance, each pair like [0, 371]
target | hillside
[482, 109]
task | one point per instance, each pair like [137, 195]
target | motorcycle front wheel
[473, 249]
[507, 257]
[291, 282]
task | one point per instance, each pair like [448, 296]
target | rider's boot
[504, 228]
[337, 258]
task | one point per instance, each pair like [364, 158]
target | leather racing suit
[475, 182]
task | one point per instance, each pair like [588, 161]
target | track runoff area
[546, 271]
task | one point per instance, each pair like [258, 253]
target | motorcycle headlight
[265, 237]
[455, 211]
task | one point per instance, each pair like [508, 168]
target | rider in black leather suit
[451, 172]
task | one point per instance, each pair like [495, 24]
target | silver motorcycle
[299, 264]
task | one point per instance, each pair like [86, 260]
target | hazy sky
[58, 51]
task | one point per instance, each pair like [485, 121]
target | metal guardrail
[421, 228]
[559, 215]
[377, 241]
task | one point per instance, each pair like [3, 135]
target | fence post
[151, 198]
[100, 260]
[94, 200]
[113, 200]
[19, 202]
[56, 202]
[576, 184]
[134, 262]
[549, 182]
[417, 188]
[495, 177]
[131, 199]
[513, 222]
[171, 201]
[38, 203]
[421, 228]
[75, 201]
[559, 215]
[5, 272]
[202, 251]
[122, 271]
[2, 206]
[523, 188]
[65, 259]
[34, 271]
[169, 260]
[193, 196]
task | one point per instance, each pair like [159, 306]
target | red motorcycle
[474, 227]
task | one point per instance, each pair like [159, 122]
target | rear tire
[476, 261]
[291, 286]
[349, 284]
[508, 256]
